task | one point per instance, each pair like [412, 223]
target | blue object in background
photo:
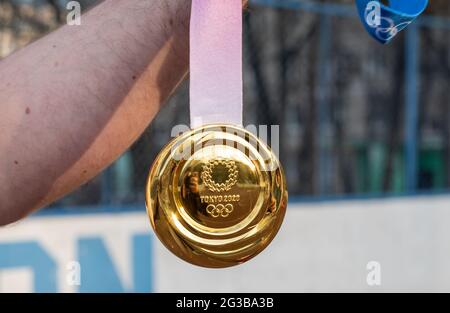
[384, 22]
[98, 271]
[31, 254]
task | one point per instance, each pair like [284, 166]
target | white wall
[321, 247]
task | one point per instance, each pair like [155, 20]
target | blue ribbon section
[383, 22]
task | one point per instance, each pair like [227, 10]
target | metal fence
[356, 118]
[413, 54]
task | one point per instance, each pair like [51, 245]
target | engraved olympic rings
[217, 210]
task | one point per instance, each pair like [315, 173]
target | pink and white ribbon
[216, 94]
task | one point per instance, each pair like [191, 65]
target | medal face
[216, 196]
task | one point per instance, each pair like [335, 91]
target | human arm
[73, 101]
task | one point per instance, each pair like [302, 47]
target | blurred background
[364, 121]
[365, 118]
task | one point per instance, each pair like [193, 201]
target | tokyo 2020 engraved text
[220, 205]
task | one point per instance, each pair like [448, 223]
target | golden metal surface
[216, 196]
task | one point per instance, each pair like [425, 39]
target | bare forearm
[73, 101]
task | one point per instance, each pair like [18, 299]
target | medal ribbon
[216, 62]
[384, 22]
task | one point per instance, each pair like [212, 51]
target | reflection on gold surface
[216, 196]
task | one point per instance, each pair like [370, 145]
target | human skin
[72, 102]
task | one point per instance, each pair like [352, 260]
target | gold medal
[216, 196]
